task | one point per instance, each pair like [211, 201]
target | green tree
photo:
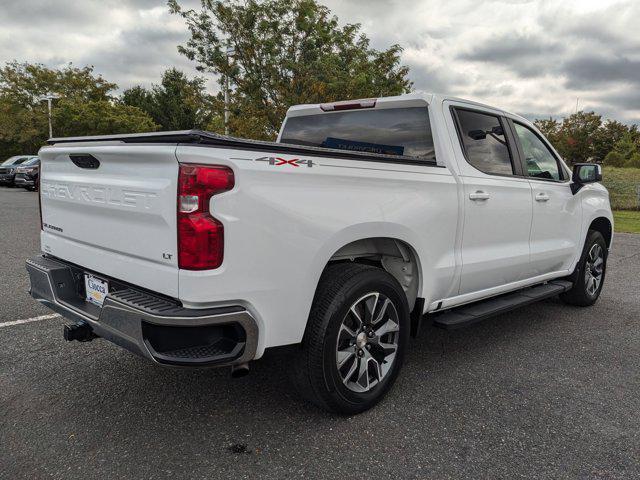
[583, 137]
[86, 106]
[606, 137]
[614, 159]
[138, 96]
[286, 52]
[626, 152]
[550, 128]
[577, 136]
[26, 82]
[100, 117]
[177, 103]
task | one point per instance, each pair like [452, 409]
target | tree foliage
[626, 151]
[85, 106]
[606, 137]
[25, 83]
[99, 117]
[579, 132]
[177, 103]
[286, 52]
[583, 137]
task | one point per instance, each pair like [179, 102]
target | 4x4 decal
[279, 161]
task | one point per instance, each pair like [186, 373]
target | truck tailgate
[116, 216]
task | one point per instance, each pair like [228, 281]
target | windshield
[15, 160]
[31, 161]
[389, 131]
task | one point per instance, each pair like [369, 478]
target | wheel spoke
[351, 371]
[356, 315]
[388, 327]
[344, 328]
[378, 366]
[388, 348]
[381, 313]
[370, 304]
[344, 355]
[363, 373]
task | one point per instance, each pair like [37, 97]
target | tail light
[349, 105]
[200, 236]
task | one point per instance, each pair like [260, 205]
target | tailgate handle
[85, 161]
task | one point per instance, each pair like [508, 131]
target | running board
[474, 312]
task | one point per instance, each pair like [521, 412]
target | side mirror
[497, 130]
[477, 134]
[584, 173]
[481, 134]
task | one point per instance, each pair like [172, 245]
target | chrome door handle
[542, 197]
[479, 195]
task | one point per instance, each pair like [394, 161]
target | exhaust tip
[239, 371]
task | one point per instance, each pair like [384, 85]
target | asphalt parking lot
[548, 391]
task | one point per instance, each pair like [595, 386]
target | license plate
[96, 289]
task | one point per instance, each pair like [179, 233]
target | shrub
[634, 161]
[614, 159]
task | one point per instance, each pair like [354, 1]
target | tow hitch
[81, 332]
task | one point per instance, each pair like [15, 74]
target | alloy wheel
[594, 269]
[367, 342]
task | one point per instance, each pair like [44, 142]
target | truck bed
[203, 138]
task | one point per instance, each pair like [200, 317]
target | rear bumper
[153, 327]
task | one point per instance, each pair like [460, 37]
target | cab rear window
[402, 132]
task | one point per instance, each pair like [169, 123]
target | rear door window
[484, 142]
[403, 132]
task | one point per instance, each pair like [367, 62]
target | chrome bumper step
[152, 326]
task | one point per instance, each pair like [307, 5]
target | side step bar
[474, 312]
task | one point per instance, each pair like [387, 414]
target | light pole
[230, 53]
[49, 97]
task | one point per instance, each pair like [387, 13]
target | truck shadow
[210, 402]
[508, 373]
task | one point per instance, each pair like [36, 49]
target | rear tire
[355, 340]
[588, 277]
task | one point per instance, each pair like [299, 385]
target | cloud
[524, 55]
[127, 41]
[587, 72]
[534, 57]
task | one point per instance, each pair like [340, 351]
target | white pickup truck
[365, 217]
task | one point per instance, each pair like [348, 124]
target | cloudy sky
[534, 57]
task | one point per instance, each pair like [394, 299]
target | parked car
[27, 174]
[364, 218]
[9, 166]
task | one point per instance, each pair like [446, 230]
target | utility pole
[230, 53]
[49, 98]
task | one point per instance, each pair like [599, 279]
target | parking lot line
[29, 320]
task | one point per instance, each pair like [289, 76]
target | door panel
[495, 243]
[557, 214]
[497, 200]
[556, 225]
